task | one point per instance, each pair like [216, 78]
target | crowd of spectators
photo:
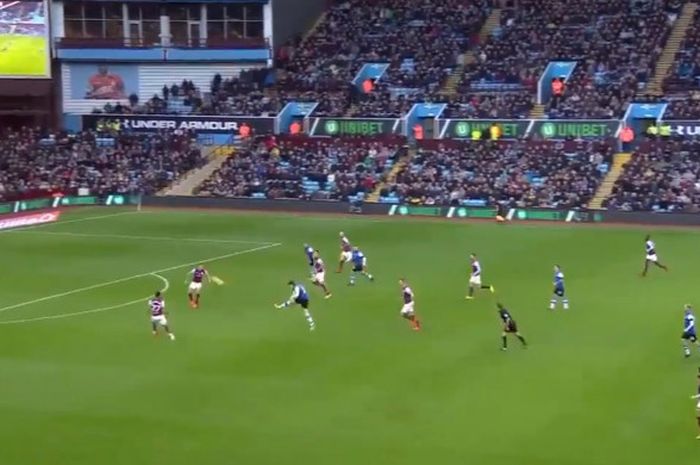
[684, 75]
[505, 105]
[303, 168]
[615, 42]
[548, 174]
[32, 162]
[235, 96]
[419, 39]
[663, 175]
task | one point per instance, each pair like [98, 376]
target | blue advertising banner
[103, 81]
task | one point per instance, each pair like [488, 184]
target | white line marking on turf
[88, 312]
[165, 281]
[75, 220]
[153, 238]
[140, 275]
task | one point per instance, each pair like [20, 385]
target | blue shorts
[689, 335]
[358, 268]
[303, 302]
[559, 291]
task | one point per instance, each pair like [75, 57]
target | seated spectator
[684, 75]
[662, 176]
[615, 43]
[302, 168]
[32, 163]
[546, 174]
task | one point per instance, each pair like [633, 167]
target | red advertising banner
[31, 219]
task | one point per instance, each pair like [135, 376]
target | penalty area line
[140, 275]
[60, 316]
[139, 238]
[74, 220]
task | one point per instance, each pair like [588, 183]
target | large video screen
[24, 39]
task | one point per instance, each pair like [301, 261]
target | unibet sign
[576, 129]
[353, 126]
[462, 129]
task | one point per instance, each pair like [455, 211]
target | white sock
[309, 319]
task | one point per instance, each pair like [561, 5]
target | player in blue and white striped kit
[689, 333]
[300, 297]
[309, 252]
[359, 265]
[559, 291]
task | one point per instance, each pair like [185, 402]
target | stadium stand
[616, 44]
[34, 164]
[523, 173]
[303, 168]
[685, 71]
[663, 176]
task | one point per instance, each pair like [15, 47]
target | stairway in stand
[663, 66]
[391, 177]
[537, 111]
[453, 80]
[185, 185]
[606, 187]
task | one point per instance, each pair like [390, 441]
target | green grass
[247, 384]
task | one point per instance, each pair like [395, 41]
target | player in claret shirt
[319, 278]
[651, 257]
[475, 277]
[408, 310]
[697, 406]
[156, 307]
[345, 251]
[195, 288]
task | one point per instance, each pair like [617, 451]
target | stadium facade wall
[329, 207]
[144, 80]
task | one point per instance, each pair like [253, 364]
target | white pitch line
[152, 238]
[140, 275]
[75, 220]
[165, 280]
[87, 312]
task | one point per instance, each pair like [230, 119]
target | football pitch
[83, 381]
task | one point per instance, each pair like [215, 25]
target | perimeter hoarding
[354, 126]
[463, 128]
[198, 124]
[585, 129]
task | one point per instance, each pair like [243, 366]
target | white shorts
[195, 287]
[652, 258]
[320, 277]
[475, 281]
[346, 256]
[159, 320]
[407, 309]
